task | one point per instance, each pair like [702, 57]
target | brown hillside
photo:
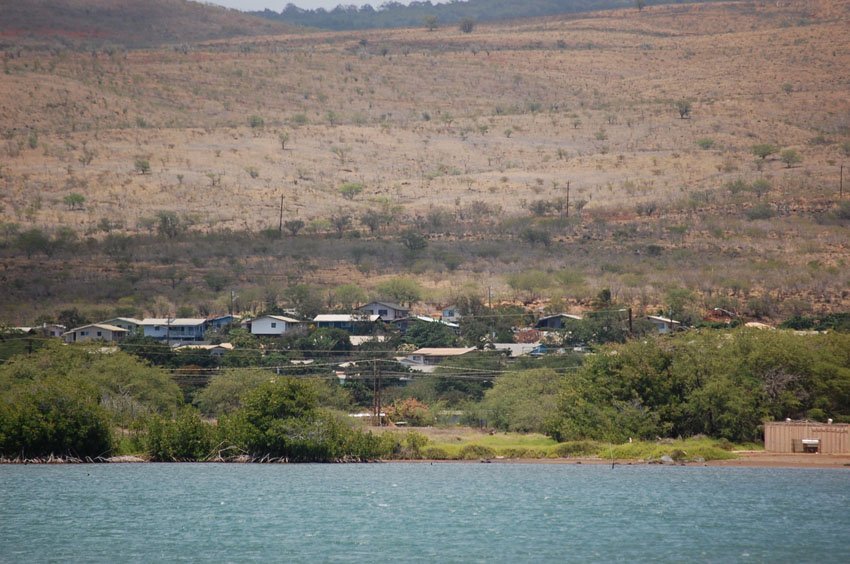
[470, 139]
[131, 23]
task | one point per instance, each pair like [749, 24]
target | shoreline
[747, 459]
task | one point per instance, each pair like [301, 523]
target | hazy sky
[278, 5]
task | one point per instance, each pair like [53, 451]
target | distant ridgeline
[396, 14]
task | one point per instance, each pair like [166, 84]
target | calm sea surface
[422, 512]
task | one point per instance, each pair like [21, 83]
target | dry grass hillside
[471, 138]
[122, 22]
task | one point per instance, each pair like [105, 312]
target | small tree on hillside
[74, 201]
[683, 106]
[467, 25]
[764, 150]
[430, 22]
[790, 157]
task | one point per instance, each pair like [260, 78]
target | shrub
[53, 416]
[577, 448]
[705, 143]
[475, 452]
[411, 411]
[184, 438]
[256, 122]
[760, 211]
[467, 25]
[435, 453]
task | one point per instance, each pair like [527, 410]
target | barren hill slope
[124, 22]
[554, 144]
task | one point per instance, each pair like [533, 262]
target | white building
[95, 332]
[388, 311]
[273, 325]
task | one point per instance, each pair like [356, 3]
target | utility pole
[232, 297]
[841, 184]
[631, 331]
[568, 199]
[489, 297]
[280, 223]
[376, 395]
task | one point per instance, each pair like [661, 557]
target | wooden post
[568, 199]
[841, 184]
[280, 224]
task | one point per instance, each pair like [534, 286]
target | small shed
[807, 436]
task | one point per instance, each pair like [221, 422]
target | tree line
[395, 14]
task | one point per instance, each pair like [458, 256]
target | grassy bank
[472, 444]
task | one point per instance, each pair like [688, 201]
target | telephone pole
[841, 184]
[376, 395]
[280, 223]
[568, 199]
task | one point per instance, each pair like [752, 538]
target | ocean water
[422, 512]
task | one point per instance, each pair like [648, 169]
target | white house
[272, 325]
[427, 359]
[387, 310]
[174, 328]
[664, 324]
[95, 332]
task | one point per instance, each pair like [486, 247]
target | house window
[84, 333]
[274, 325]
[382, 312]
[99, 334]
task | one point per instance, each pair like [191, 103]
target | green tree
[34, 241]
[683, 106]
[350, 190]
[522, 401]
[224, 392]
[430, 334]
[142, 165]
[764, 150]
[74, 201]
[349, 296]
[790, 157]
[413, 240]
[169, 224]
[52, 415]
[467, 25]
[294, 226]
[431, 22]
[401, 290]
[256, 122]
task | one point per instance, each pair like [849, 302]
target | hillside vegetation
[126, 23]
[395, 14]
[684, 157]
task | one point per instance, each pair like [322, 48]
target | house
[427, 359]
[387, 310]
[664, 324]
[404, 323]
[451, 314]
[48, 330]
[131, 324]
[556, 322]
[174, 328]
[343, 321]
[272, 325]
[217, 351]
[222, 321]
[95, 332]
